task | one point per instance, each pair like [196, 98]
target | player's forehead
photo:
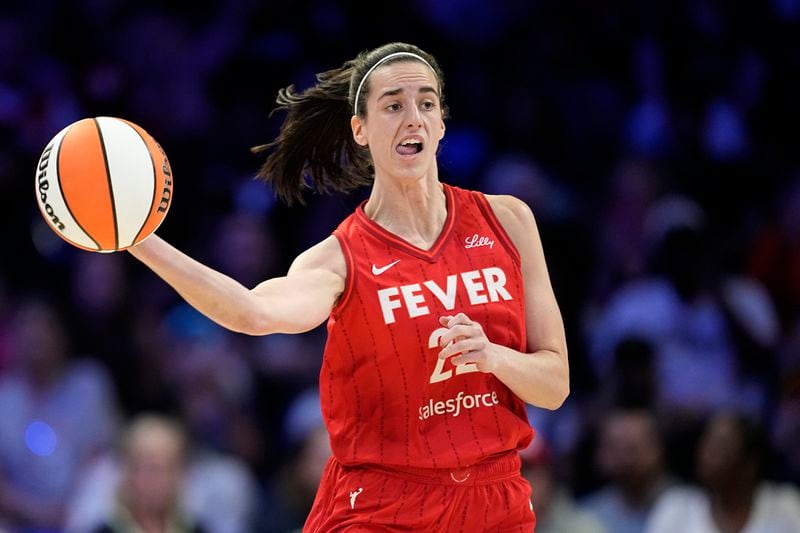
[404, 75]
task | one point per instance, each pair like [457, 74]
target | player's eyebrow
[394, 92]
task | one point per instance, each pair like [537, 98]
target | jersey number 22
[439, 373]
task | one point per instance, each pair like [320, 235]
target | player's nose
[413, 117]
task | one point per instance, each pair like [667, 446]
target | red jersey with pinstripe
[386, 396]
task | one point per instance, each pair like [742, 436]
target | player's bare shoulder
[326, 255]
[516, 218]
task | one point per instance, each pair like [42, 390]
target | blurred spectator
[775, 258]
[214, 385]
[57, 414]
[620, 246]
[632, 381]
[214, 388]
[630, 456]
[733, 495]
[676, 311]
[202, 488]
[556, 510]
[148, 497]
[290, 495]
[221, 492]
[211, 385]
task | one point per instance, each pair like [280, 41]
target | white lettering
[469, 402]
[474, 287]
[448, 298]
[453, 406]
[476, 240]
[466, 368]
[439, 373]
[496, 283]
[481, 287]
[413, 297]
[387, 304]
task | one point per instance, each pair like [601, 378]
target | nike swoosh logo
[378, 271]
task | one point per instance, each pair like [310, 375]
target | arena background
[656, 142]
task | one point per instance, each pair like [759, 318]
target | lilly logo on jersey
[476, 240]
[481, 286]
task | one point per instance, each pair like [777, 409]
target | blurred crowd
[655, 141]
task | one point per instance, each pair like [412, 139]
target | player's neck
[415, 211]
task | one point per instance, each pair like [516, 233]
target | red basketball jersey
[387, 398]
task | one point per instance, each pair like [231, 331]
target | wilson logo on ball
[44, 186]
[103, 184]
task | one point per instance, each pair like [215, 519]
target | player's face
[404, 121]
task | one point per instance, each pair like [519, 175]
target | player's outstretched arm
[294, 303]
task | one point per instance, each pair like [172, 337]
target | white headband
[376, 65]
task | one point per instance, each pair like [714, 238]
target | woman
[733, 494]
[153, 459]
[441, 317]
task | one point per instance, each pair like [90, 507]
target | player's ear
[359, 133]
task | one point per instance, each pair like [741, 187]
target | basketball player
[441, 318]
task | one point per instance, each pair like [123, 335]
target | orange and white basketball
[103, 184]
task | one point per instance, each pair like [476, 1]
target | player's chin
[408, 173]
[416, 166]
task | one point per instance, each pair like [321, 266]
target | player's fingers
[462, 346]
[451, 334]
[460, 318]
[468, 357]
[457, 332]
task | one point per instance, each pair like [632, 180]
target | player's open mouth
[410, 146]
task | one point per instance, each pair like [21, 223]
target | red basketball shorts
[486, 497]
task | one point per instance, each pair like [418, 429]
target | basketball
[103, 184]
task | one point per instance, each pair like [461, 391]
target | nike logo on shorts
[378, 271]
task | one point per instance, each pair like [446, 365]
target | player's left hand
[466, 342]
